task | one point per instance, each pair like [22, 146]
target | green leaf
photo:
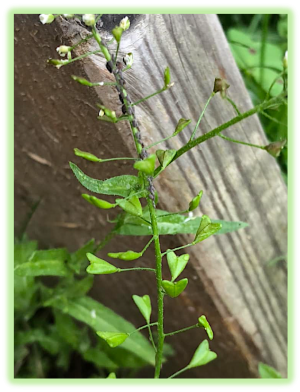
[205, 324]
[79, 287]
[202, 355]
[182, 123]
[132, 206]
[172, 224]
[47, 341]
[129, 255]
[78, 259]
[58, 254]
[195, 202]
[206, 229]
[99, 358]
[266, 371]
[147, 165]
[86, 155]
[112, 375]
[176, 264]
[173, 289]
[101, 318]
[42, 268]
[103, 204]
[120, 185]
[165, 157]
[23, 251]
[144, 305]
[99, 266]
[67, 329]
[113, 339]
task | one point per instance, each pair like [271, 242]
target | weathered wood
[244, 300]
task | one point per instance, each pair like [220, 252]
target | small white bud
[191, 214]
[101, 113]
[285, 60]
[89, 19]
[101, 83]
[170, 85]
[63, 50]
[68, 16]
[46, 18]
[125, 23]
[128, 59]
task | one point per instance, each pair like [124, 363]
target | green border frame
[291, 199]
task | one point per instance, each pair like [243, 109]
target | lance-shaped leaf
[42, 268]
[113, 339]
[173, 289]
[206, 229]
[266, 371]
[129, 255]
[167, 77]
[176, 264]
[165, 157]
[86, 155]
[202, 355]
[132, 206]
[195, 202]
[205, 324]
[147, 165]
[144, 305]
[182, 123]
[103, 204]
[120, 185]
[99, 266]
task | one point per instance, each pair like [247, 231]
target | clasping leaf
[147, 165]
[144, 305]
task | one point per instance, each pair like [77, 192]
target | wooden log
[229, 280]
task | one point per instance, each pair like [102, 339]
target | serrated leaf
[182, 123]
[129, 255]
[170, 225]
[144, 305]
[177, 264]
[119, 186]
[206, 229]
[99, 358]
[266, 371]
[113, 339]
[101, 318]
[202, 355]
[205, 324]
[132, 206]
[99, 266]
[165, 157]
[42, 268]
[173, 289]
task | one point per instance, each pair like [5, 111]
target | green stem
[240, 142]
[179, 372]
[160, 300]
[273, 118]
[180, 247]
[182, 330]
[149, 96]
[173, 213]
[98, 17]
[151, 338]
[136, 269]
[81, 57]
[192, 143]
[81, 41]
[117, 51]
[160, 141]
[201, 115]
[273, 83]
[117, 159]
[143, 327]
[233, 104]
[148, 244]
[264, 34]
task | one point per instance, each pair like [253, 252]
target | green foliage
[144, 305]
[99, 266]
[173, 289]
[177, 264]
[202, 355]
[205, 324]
[266, 371]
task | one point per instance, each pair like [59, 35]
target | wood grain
[244, 300]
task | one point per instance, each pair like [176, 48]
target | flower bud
[103, 204]
[89, 19]
[86, 155]
[125, 23]
[57, 63]
[63, 50]
[46, 18]
[128, 59]
[117, 33]
[195, 202]
[275, 148]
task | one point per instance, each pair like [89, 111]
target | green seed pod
[195, 202]
[147, 165]
[113, 339]
[206, 229]
[81, 81]
[132, 206]
[144, 305]
[129, 255]
[202, 321]
[176, 264]
[86, 155]
[220, 86]
[99, 266]
[106, 53]
[167, 77]
[275, 148]
[202, 355]
[173, 289]
[165, 157]
[103, 204]
[117, 33]
[182, 123]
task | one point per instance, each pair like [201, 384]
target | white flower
[89, 19]
[285, 60]
[63, 50]
[125, 23]
[101, 113]
[46, 18]
[128, 59]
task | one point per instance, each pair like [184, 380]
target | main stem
[160, 297]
